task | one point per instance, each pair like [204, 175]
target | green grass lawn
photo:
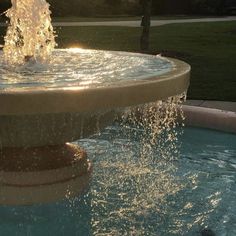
[210, 48]
[121, 18]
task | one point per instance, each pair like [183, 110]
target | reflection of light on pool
[126, 199]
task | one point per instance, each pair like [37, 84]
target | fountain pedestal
[44, 118]
[42, 174]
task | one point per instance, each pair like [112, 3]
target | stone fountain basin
[53, 116]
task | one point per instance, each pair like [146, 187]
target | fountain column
[32, 171]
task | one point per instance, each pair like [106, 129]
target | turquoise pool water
[137, 191]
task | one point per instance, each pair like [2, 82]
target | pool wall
[210, 118]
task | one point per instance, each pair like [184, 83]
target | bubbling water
[30, 34]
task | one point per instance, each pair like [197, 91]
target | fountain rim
[76, 99]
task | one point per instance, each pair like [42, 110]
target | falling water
[136, 171]
[30, 34]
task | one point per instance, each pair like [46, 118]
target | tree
[146, 22]
[4, 5]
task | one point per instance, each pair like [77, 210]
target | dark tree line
[200, 7]
[4, 5]
[125, 7]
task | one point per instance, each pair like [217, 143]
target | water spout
[30, 34]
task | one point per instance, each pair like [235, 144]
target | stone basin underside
[53, 116]
[50, 129]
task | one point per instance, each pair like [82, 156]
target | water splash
[30, 35]
[131, 189]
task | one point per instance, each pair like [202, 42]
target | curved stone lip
[118, 95]
[210, 118]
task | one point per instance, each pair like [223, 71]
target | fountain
[50, 98]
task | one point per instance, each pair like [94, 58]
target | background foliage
[132, 7]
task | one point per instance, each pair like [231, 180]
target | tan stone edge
[27, 195]
[210, 118]
[41, 101]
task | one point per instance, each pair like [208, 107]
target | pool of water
[82, 68]
[139, 189]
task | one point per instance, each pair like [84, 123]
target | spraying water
[30, 34]
[132, 186]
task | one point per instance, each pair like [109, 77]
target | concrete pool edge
[210, 118]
